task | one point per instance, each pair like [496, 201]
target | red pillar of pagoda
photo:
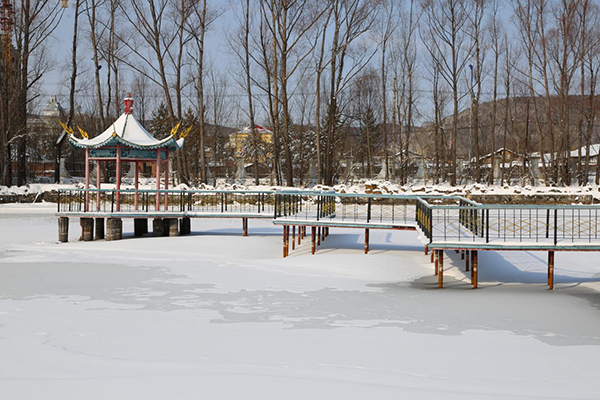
[157, 179]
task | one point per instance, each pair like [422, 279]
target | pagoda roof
[127, 131]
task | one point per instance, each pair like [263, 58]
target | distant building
[237, 138]
[52, 109]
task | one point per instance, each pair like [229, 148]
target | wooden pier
[447, 223]
[444, 223]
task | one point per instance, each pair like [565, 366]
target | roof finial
[128, 104]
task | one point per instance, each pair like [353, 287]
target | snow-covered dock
[443, 222]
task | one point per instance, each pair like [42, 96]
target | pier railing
[173, 201]
[469, 221]
[355, 208]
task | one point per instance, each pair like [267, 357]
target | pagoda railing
[171, 201]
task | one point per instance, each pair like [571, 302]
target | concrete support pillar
[157, 227]
[99, 229]
[87, 229]
[114, 229]
[140, 227]
[551, 270]
[172, 224]
[63, 229]
[185, 226]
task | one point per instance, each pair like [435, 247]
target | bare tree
[34, 24]
[197, 27]
[476, 20]
[494, 31]
[388, 25]
[447, 22]
[350, 19]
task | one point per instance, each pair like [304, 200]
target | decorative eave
[168, 142]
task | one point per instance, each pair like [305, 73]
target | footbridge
[443, 223]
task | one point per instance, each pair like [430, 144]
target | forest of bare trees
[394, 89]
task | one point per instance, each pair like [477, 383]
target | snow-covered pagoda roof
[127, 131]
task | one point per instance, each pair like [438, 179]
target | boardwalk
[442, 222]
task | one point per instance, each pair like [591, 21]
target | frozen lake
[218, 316]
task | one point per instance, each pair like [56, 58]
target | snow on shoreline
[374, 187]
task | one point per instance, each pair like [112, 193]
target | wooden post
[98, 185]
[294, 237]
[87, 229]
[366, 240]
[63, 229]
[462, 255]
[323, 234]
[118, 177]
[284, 241]
[436, 256]
[244, 227]
[432, 256]
[441, 269]
[313, 238]
[551, 270]
[300, 235]
[475, 269]
[427, 251]
[319, 236]
[99, 228]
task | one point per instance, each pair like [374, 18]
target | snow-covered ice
[218, 316]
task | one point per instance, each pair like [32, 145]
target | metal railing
[520, 224]
[174, 201]
[382, 209]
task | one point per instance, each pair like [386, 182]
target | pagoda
[126, 141]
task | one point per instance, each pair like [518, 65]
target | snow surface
[218, 316]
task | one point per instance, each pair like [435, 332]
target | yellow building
[237, 138]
